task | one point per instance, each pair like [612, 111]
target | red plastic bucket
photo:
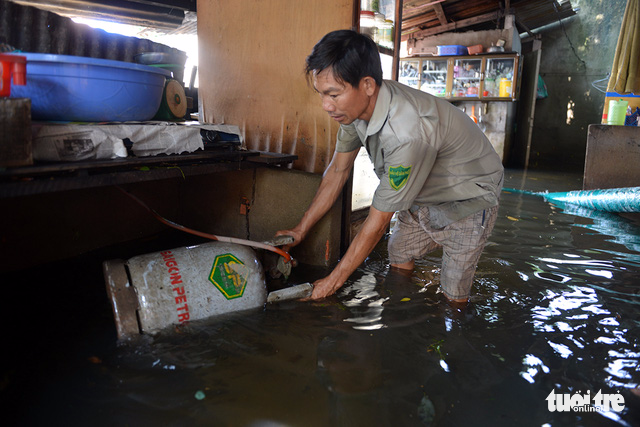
[12, 66]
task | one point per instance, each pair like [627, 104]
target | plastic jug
[12, 66]
[505, 88]
[617, 112]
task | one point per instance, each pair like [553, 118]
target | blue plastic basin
[74, 88]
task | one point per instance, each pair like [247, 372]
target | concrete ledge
[255, 204]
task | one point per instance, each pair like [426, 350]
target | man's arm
[333, 180]
[373, 229]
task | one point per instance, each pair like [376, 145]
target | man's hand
[324, 287]
[369, 235]
[297, 235]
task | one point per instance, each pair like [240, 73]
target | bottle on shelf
[367, 24]
[379, 23]
[388, 33]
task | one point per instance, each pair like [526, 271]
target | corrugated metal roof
[159, 14]
[30, 29]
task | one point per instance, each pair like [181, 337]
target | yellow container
[505, 88]
[617, 112]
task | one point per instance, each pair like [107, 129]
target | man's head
[349, 54]
[345, 69]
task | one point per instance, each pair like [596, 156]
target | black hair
[350, 55]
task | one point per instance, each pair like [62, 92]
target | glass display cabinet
[433, 77]
[410, 73]
[499, 77]
[467, 78]
[480, 77]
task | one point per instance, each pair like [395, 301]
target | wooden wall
[251, 73]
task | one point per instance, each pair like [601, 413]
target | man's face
[343, 102]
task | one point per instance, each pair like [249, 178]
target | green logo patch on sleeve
[398, 176]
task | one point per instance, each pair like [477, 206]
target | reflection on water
[554, 308]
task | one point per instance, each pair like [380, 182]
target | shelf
[63, 176]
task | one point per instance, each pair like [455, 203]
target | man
[436, 167]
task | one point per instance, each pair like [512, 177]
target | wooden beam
[440, 14]
[418, 20]
[492, 16]
[412, 9]
[519, 22]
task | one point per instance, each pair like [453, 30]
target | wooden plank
[410, 9]
[421, 20]
[126, 163]
[55, 183]
[273, 158]
[55, 177]
[491, 16]
[526, 108]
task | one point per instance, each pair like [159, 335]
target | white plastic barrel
[176, 286]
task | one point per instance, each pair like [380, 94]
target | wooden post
[397, 36]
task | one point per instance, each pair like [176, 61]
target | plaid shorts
[462, 243]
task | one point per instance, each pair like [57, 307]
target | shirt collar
[380, 113]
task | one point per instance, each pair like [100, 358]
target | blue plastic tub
[80, 89]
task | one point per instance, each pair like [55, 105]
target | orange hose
[243, 242]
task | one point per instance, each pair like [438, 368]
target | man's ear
[369, 85]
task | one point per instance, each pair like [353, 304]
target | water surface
[554, 308]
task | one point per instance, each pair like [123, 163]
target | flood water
[555, 308]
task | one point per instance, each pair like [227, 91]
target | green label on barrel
[229, 275]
